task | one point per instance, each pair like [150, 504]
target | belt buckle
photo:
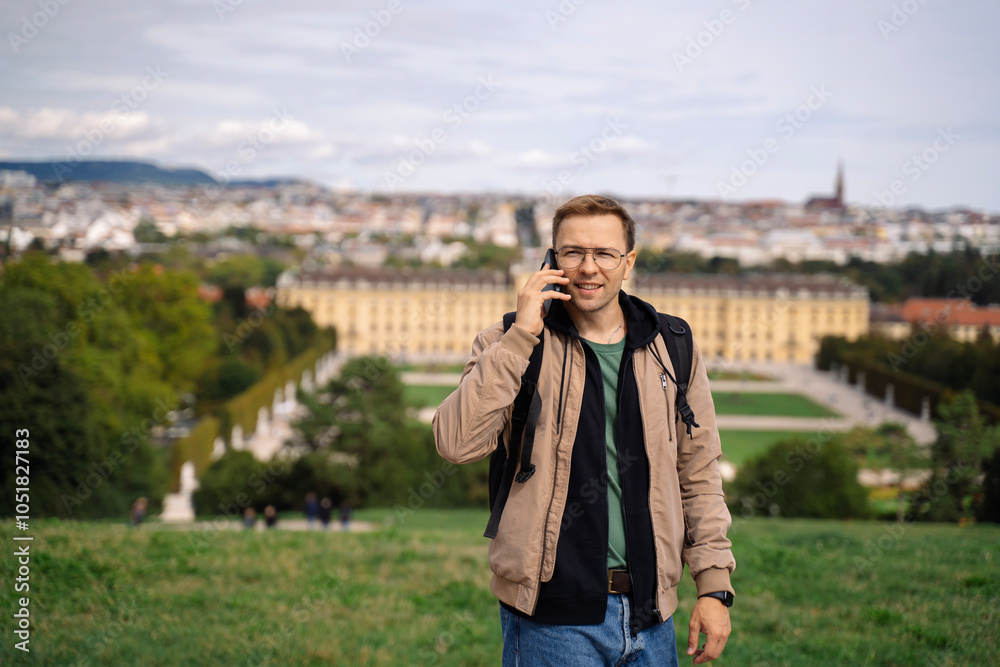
[611, 582]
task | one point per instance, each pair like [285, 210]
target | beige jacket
[686, 499]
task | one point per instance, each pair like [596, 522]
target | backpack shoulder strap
[527, 408]
[680, 346]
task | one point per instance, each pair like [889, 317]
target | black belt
[619, 582]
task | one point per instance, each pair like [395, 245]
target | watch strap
[725, 597]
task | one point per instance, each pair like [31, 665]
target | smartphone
[550, 259]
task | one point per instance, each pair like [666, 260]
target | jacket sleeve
[467, 423]
[707, 550]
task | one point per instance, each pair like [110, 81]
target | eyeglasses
[607, 258]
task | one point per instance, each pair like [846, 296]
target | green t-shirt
[610, 358]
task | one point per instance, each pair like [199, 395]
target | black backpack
[528, 406]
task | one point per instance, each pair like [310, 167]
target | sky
[728, 99]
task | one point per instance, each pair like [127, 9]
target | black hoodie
[577, 593]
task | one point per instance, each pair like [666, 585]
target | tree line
[932, 275]
[96, 362]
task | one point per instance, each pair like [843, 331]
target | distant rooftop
[360, 276]
[753, 284]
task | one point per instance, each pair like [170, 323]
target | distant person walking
[325, 510]
[138, 513]
[249, 518]
[345, 516]
[270, 516]
[311, 509]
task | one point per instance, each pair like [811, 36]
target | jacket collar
[643, 322]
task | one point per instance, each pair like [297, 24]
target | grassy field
[746, 376]
[738, 446]
[808, 593]
[778, 405]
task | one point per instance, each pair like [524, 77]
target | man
[589, 548]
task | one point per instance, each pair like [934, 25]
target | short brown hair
[595, 205]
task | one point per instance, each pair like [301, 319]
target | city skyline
[739, 101]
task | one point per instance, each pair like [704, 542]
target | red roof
[950, 311]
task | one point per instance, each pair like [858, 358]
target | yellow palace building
[422, 314]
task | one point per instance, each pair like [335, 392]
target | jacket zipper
[621, 481]
[552, 498]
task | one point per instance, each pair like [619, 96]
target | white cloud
[537, 158]
[61, 123]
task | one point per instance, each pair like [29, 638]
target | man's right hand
[531, 299]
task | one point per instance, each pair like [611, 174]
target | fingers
[714, 644]
[693, 628]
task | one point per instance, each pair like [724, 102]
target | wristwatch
[725, 597]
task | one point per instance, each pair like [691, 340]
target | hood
[643, 322]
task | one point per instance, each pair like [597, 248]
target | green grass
[739, 375]
[425, 395]
[808, 593]
[738, 446]
[778, 405]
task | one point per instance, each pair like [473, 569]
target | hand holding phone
[550, 259]
[533, 302]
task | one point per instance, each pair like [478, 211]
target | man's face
[591, 287]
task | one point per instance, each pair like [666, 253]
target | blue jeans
[527, 643]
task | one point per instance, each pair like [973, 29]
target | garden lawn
[777, 405]
[739, 446]
[416, 592]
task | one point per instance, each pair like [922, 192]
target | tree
[802, 478]
[903, 454]
[989, 509]
[230, 485]
[964, 443]
[361, 415]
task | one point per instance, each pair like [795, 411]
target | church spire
[840, 184]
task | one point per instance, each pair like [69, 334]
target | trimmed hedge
[241, 409]
[909, 390]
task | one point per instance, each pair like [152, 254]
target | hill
[111, 171]
[417, 592]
